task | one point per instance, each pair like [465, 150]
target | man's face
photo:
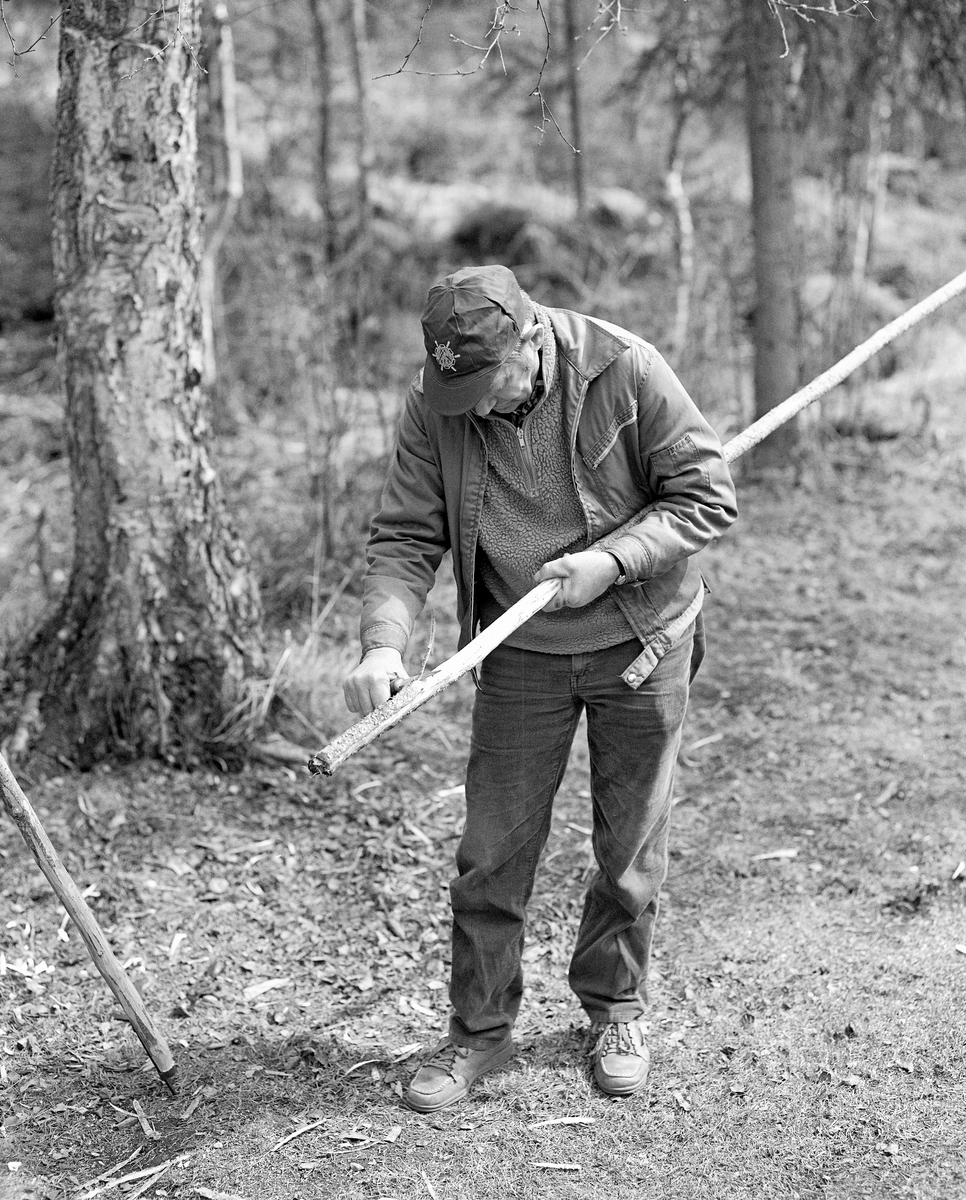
[514, 381]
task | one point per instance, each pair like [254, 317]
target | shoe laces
[445, 1056]
[615, 1038]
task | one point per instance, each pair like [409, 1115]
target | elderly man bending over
[529, 434]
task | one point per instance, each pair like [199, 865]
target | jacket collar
[587, 346]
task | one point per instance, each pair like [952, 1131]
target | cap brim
[456, 395]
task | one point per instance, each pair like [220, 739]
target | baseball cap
[471, 325]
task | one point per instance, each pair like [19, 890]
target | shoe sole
[628, 1089]
[619, 1092]
[418, 1105]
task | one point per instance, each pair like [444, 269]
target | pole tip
[172, 1080]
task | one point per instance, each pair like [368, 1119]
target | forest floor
[290, 933]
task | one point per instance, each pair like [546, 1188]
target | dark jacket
[636, 439]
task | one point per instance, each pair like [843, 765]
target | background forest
[289, 932]
[353, 153]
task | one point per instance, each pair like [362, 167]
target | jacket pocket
[682, 458]
[600, 449]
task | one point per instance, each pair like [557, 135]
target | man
[529, 434]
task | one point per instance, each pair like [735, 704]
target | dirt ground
[290, 933]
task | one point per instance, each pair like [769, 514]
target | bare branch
[546, 114]
[498, 27]
[610, 16]
[19, 54]
[797, 8]
[173, 38]
[415, 46]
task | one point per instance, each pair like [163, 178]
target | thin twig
[111, 1170]
[415, 46]
[802, 11]
[430, 643]
[297, 1134]
[616, 21]
[332, 601]
[18, 54]
[157, 1169]
[492, 39]
[178, 35]
[545, 111]
[148, 1183]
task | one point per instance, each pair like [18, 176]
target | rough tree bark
[160, 624]
[771, 143]
[227, 190]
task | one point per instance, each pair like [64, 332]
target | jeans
[525, 716]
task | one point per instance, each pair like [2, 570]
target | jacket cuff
[384, 634]
[634, 556]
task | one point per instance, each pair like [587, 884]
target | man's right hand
[370, 684]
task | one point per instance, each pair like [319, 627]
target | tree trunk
[854, 162]
[228, 187]
[771, 141]
[574, 100]
[322, 40]
[678, 196]
[359, 55]
[161, 621]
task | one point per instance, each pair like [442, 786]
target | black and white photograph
[483, 599]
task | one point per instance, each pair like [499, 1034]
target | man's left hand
[583, 577]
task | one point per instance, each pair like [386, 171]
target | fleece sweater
[532, 514]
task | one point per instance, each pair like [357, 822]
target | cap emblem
[445, 357]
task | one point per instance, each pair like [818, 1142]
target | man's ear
[534, 335]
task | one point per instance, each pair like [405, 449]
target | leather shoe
[447, 1075]
[620, 1056]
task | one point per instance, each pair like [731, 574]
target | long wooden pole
[418, 691]
[33, 833]
[822, 384]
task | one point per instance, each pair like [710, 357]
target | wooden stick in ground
[419, 691]
[33, 833]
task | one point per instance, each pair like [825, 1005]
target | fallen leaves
[146, 1126]
[420, 1008]
[254, 990]
[26, 966]
[562, 1121]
